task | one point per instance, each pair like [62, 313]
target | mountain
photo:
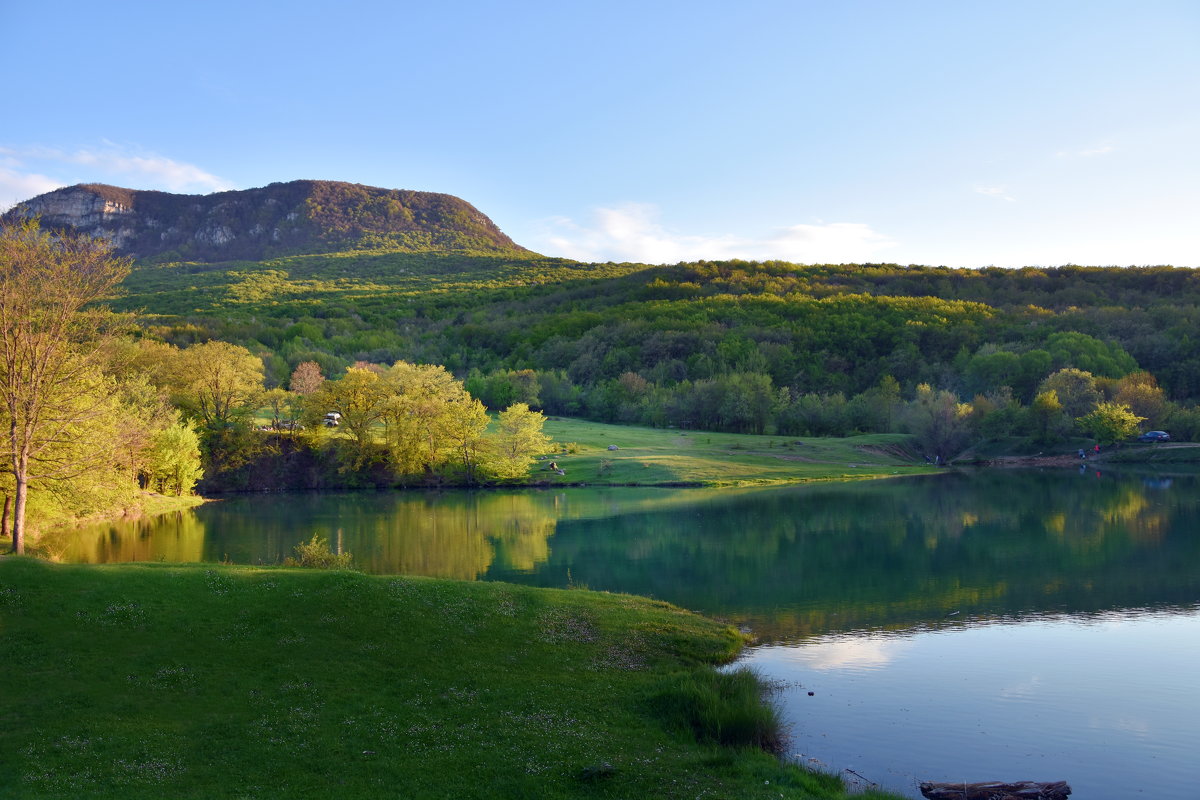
[298, 217]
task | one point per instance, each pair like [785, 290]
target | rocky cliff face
[280, 219]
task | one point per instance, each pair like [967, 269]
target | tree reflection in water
[788, 562]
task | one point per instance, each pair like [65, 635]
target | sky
[963, 133]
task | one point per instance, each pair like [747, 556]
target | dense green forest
[722, 345]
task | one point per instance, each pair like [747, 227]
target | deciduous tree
[173, 462]
[51, 385]
[1139, 391]
[1110, 423]
[360, 397]
[218, 382]
[425, 417]
[1047, 419]
[1076, 390]
[939, 422]
[306, 377]
[518, 440]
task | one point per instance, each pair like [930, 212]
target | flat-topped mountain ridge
[297, 217]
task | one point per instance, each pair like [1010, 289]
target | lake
[992, 625]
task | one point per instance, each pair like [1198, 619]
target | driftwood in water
[994, 790]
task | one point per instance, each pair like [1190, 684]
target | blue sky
[961, 133]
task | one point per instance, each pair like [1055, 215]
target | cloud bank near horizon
[26, 172]
[632, 232]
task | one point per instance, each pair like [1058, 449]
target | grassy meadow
[657, 456]
[152, 681]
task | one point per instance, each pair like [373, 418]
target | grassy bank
[1173, 453]
[642, 457]
[657, 456]
[150, 681]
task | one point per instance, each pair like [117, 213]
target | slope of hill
[758, 345]
[283, 218]
[821, 328]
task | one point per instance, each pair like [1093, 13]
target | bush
[315, 554]
[727, 708]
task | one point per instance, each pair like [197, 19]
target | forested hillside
[730, 345]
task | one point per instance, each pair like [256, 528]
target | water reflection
[178, 537]
[790, 563]
[1015, 625]
[899, 554]
[1106, 701]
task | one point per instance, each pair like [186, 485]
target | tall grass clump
[728, 708]
[315, 553]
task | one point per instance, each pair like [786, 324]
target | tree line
[823, 329]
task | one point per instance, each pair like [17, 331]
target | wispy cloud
[996, 191]
[29, 171]
[1100, 149]
[16, 186]
[632, 232]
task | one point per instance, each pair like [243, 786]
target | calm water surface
[992, 626]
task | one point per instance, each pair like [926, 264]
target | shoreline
[511, 691]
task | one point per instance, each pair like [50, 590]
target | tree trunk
[18, 528]
[4, 519]
[994, 790]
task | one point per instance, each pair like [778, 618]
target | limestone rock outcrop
[279, 219]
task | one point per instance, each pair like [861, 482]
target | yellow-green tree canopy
[173, 463]
[359, 397]
[429, 417]
[1076, 390]
[1110, 423]
[519, 439]
[216, 382]
[55, 400]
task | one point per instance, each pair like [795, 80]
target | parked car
[1155, 436]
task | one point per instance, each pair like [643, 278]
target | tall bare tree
[51, 382]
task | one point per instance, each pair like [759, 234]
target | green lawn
[154, 681]
[670, 457]
[649, 456]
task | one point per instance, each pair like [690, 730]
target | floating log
[994, 790]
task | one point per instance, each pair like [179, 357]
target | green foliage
[518, 440]
[1077, 349]
[173, 464]
[217, 383]
[580, 329]
[359, 396]
[1075, 389]
[726, 708]
[1140, 391]
[940, 424]
[1047, 418]
[58, 408]
[1110, 423]
[315, 554]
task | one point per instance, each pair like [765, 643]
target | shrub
[315, 554]
[727, 708]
